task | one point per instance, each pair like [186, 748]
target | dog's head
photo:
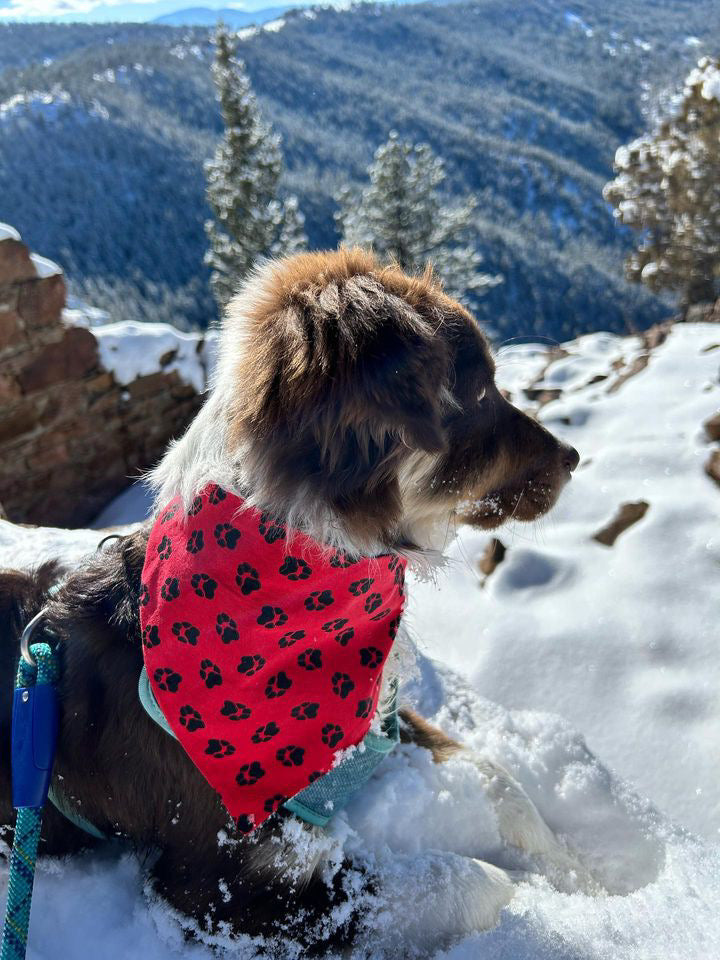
[358, 393]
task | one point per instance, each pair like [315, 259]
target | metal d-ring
[109, 536]
[26, 637]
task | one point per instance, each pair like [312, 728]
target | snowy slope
[589, 671]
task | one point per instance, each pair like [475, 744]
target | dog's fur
[358, 404]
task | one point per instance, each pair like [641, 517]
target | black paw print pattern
[372, 602]
[342, 684]
[186, 632]
[266, 732]
[364, 707]
[272, 617]
[264, 651]
[216, 495]
[210, 674]
[295, 569]
[195, 542]
[226, 628]
[250, 664]
[277, 685]
[291, 756]
[203, 585]
[151, 636]
[235, 711]
[164, 548]
[332, 734]
[291, 637]
[219, 748]
[319, 600]
[170, 590]
[305, 711]
[371, 657]
[271, 528]
[167, 679]
[358, 587]
[310, 659]
[169, 514]
[249, 773]
[226, 535]
[191, 719]
[247, 578]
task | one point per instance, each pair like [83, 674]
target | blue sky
[92, 11]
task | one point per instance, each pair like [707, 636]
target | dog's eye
[481, 395]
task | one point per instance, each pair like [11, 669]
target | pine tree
[251, 220]
[668, 188]
[404, 215]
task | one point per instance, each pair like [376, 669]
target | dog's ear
[342, 379]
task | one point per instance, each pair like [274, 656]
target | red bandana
[264, 652]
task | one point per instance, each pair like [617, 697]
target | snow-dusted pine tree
[405, 215]
[251, 220]
[668, 188]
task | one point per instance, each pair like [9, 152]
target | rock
[11, 330]
[70, 359]
[492, 557]
[40, 301]
[712, 427]
[15, 262]
[627, 515]
[712, 467]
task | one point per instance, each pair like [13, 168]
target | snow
[44, 267]
[40, 103]
[8, 233]
[132, 350]
[589, 672]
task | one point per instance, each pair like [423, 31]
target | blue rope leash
[33, 749]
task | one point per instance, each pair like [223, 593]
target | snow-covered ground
[591, 672]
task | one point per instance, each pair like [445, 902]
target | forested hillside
[104, 130]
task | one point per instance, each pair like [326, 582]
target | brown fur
[348, 373]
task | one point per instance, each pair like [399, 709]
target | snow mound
[566, 635]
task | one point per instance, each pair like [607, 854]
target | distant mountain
[207, 17]
[104, 130]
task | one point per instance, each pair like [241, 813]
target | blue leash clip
[34, 738]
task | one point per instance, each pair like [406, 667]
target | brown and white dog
[359, 404]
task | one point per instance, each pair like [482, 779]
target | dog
[357, 404]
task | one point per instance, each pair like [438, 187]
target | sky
[100, 11]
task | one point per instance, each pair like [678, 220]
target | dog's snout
[570, 457]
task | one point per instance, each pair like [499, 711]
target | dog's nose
[570, 457]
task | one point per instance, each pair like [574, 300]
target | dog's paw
[164, 548]
[266, 732]
[359, 587]
[195, 542]
[364, 708]
[271, 528]
[170, 590]
[150, 636]
[372, 602]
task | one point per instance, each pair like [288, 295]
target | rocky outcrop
[71, 435]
